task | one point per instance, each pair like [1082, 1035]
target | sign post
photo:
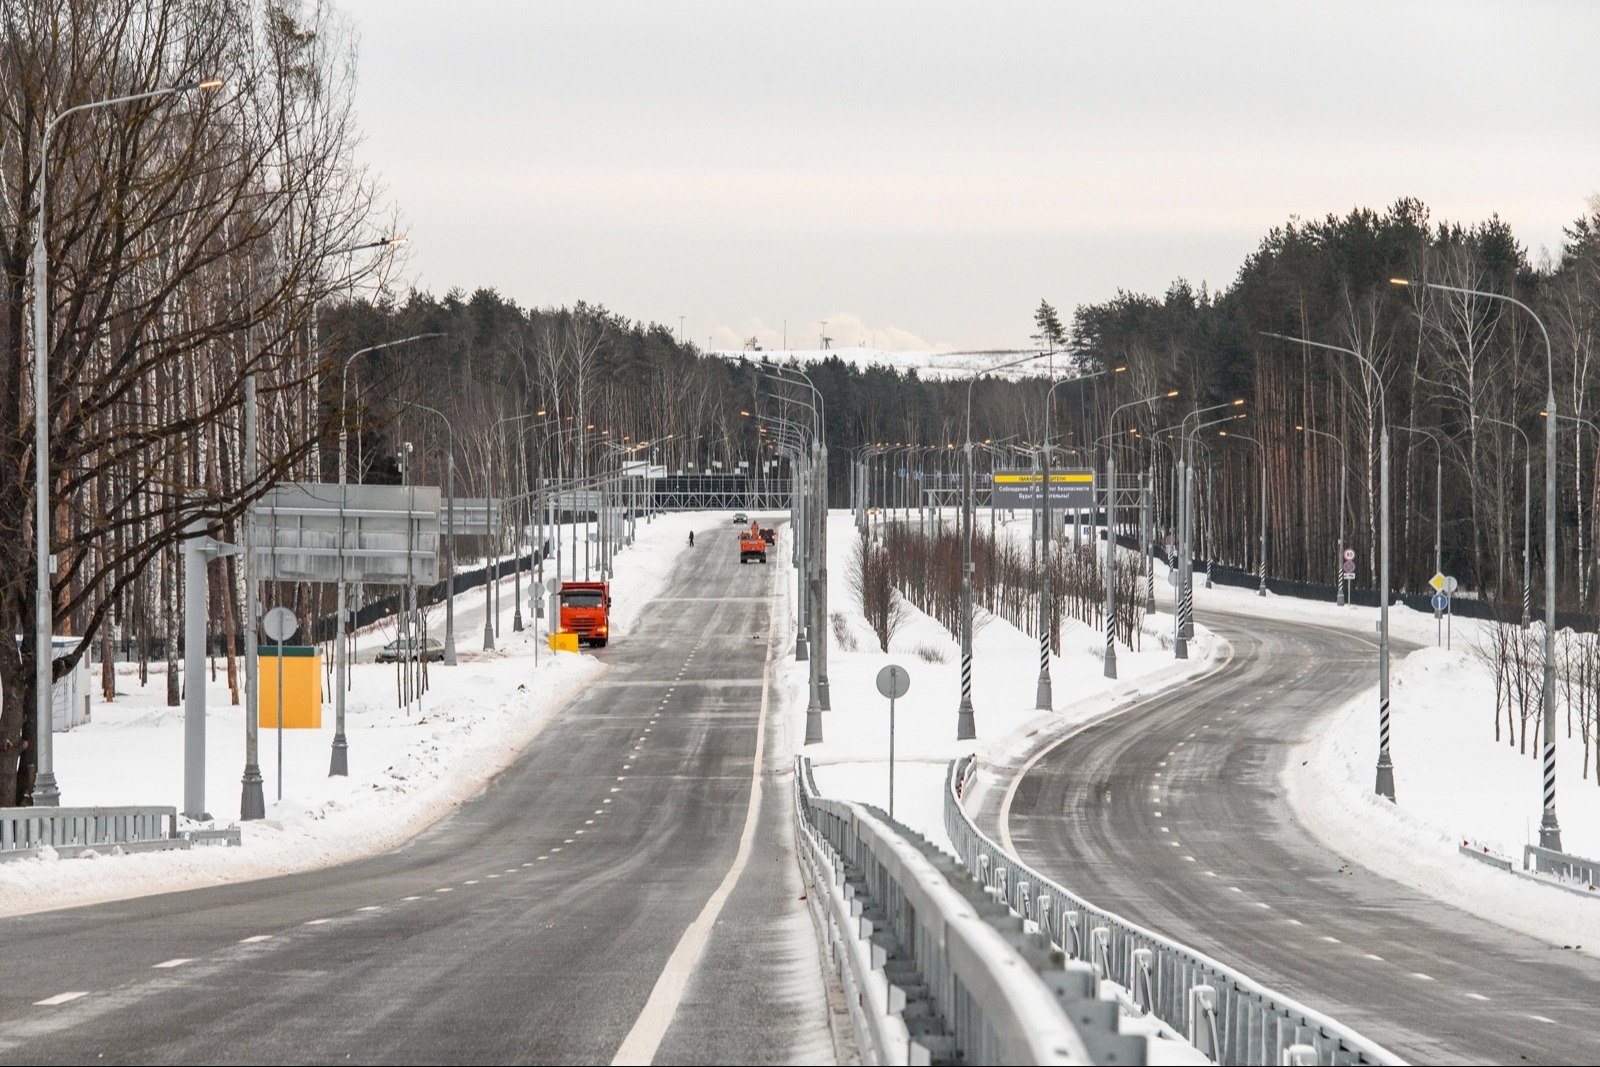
[893, 682]
[280, 625]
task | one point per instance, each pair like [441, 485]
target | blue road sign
[1440, 602]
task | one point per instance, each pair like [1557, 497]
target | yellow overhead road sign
[1025, 489]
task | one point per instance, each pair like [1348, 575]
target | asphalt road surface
[532, 925]
[1171, 814]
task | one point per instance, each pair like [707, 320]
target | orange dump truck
[752, 546]
[586, 611]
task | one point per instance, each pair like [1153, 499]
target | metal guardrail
[1225, 1015]
[934, 969]
[1561, 865]
[26, 832]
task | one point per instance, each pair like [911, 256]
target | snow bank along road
[531, 925]
[1172, 814]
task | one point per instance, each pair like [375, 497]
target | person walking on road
[691, 538]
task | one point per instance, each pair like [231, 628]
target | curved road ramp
[934, 967]
[1225, 1015]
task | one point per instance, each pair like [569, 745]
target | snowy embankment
[853, 759]
[408, 767]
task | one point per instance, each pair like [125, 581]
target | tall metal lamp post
[1111, 526]
[1384, 785]
[1549, 827]
[339, 764]
[1340, 597]
[966, 724]
[46, 793]
[450, 541]
[1527, 516]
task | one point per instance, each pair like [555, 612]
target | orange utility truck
[586, 611]
[752, 546]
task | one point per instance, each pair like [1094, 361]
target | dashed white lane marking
[473, 881]
[179, 962]
[1542, 1019]
[1235, 889]
[626, 767]
[1371, 956]
[529, 864]
[566, 841]
[1332, 940]
[556, 849]
[60, 998]
[1422, 977]
[1477, 996]
[1191, 859]
[319, 922]
[371, 907]
[446, 889]
[1263, 904]
[577, 831]
[1175, 844]
[254, 938]
[491, 876]
[410, 898]
[1211, 874]
[607, 800]
[1158, 815]
[589, 822]
[1165, 830]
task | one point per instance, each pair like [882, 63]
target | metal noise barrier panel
[1225, 1015]
[934, 969]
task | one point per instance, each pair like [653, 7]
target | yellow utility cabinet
[302, 687]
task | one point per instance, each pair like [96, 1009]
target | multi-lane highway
[1171, 814]
[627, 888]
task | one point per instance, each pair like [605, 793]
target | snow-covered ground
[853, 759]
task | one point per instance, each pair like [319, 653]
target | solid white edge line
[640, 1046]
[60, 998]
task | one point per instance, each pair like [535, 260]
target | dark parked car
[431, 649]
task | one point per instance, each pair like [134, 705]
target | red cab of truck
[586, 611]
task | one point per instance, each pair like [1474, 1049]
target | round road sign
[1449, 585]
[1440, 602]
[280, 624]
[552, 585]
[1349, 566]
[1349, 555]
[893, 681]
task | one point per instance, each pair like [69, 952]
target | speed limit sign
[1349, 555]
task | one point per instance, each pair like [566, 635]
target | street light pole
[1340, 597]
[46, 793]
[966, 724]
[1384, 785]
[1527, 516]
[1549, 827]
[1111, 526]
[339, 764]
[450, 541]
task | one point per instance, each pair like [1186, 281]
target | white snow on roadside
[853, 759]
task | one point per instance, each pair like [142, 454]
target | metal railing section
[26, 832]
[1561, 865]
[1224, 1014]
[935, 970]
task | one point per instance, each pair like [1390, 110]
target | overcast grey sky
[923, 174]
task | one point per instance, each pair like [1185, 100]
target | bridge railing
[934, 969]
[1226, 1015]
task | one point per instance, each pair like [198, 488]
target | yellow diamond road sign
[1437, 581]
